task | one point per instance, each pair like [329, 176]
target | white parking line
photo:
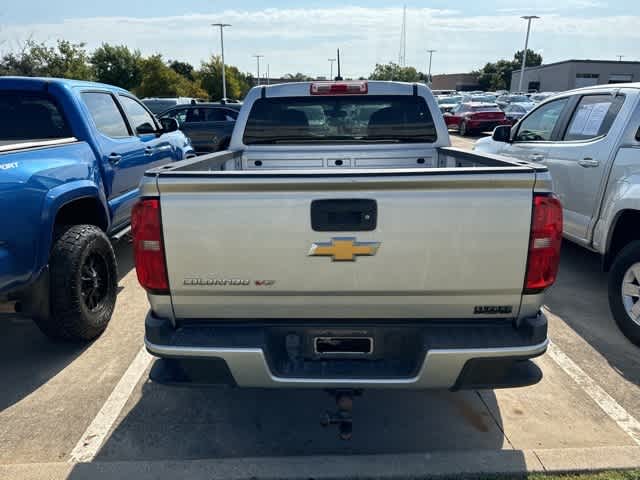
[92, 439]
[613, 409]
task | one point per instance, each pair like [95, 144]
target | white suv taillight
[544, 245]
[148, 249]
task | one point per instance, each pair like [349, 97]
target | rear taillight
[339, 88]
[544, 246]
[148, 249]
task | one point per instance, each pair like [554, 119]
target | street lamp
[224, 83]
[331, 60]
[528, 18]
[258, 57]
[431, 52]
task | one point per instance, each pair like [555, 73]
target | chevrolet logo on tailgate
[343, 249]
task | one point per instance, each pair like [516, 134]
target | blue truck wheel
[83, 284]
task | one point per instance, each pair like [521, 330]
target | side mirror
[169, 124]
[502, 133]
[145, 128]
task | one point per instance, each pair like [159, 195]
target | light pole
[431, 52]
[528, 18]
[620, 57]
[331, 60]
[224, 82]
[258, 57]
[268, 77]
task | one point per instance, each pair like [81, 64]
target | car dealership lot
[61, 403]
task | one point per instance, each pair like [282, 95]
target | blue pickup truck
[71, 156]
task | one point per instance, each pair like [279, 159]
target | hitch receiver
[342, 417]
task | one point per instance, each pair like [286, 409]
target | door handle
[114, 158]
[536, 157]
[148, 151]
[588, 163]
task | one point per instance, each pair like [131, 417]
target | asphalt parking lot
[61, 404]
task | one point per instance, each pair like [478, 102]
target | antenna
[339, 77]
[402, 56]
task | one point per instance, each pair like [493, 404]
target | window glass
[141, 119]
[485, 108]
[105, 114]
[539, 125]
[31, 117]
[593, 117]
[215, 115]
[180, 114]
[196, 114]
[232, 115]
[340, 119]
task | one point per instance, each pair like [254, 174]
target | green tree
[159, 80]
[393, 71]
[117, 65]
[298, 77]
[65, 60]
[183, 68]
[210, 75]
[497, 75]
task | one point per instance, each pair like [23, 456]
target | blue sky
[300, 37]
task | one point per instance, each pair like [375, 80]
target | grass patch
[608, 475]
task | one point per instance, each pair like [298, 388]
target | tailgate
[445, 244]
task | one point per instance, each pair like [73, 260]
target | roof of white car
[611, 86]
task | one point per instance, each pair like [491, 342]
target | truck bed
[451, 239]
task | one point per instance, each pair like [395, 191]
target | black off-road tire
[623, 261]
[75, 315]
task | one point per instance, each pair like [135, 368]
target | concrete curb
[434, 464]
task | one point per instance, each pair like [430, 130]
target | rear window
[488, 108]
[28, 117]
[340, 119]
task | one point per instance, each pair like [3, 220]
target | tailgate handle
[344, 215]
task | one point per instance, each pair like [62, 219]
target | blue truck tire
[83, 284]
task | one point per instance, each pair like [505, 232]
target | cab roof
[41, 83]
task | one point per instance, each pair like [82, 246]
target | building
[455, 81]
[570, 74]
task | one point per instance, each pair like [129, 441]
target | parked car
[505, 100]
[71, 157]
[541, 97]
[472, 117]
[159, 105]
[479, 98]
[443, 92]
[515, 111]
[256, 264]
[447, 104]
[208, 125]
[590, 141]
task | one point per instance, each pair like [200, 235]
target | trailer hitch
[343, 416]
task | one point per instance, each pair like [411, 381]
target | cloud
[298, 39]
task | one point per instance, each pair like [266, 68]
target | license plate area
[336, 346]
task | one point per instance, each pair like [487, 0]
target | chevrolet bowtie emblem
[343, 249]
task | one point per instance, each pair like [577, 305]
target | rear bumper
[418, 355]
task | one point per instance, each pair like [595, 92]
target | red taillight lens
[148, 249]
[544, 246]
[341, 88]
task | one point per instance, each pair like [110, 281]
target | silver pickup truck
[341, 243]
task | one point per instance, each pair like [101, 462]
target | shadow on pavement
[178, 423]
[580, 298]
[28, 359]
